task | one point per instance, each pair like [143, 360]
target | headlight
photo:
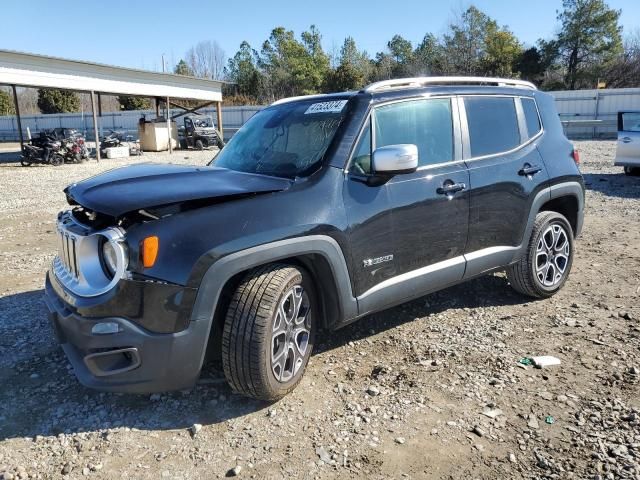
[110, 256]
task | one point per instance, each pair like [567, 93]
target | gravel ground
[431, 389]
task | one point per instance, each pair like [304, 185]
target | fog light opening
[105, 328]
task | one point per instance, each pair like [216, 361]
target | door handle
[449, 187]
[527, 170]
[626, 140]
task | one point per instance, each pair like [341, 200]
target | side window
[630, 122]
[493, 124]
[531, 116]
[362, 154]
[427, 124]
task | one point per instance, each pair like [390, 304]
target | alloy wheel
[552, 255]
[291, 333]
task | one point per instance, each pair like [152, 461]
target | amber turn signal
[149, 251]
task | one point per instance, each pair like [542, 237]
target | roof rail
[422, 81]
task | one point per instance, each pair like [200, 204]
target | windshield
[286, 140]
[202, 122]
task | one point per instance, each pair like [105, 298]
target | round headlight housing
[112, 254]
[109, 258]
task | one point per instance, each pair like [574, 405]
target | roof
[39, 71]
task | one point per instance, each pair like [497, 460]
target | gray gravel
[433, 388]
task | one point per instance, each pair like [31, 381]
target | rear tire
[199, 145]
[269, 331]
[56, 160]
[544, 268]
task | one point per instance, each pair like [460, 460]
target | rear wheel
[26, 161]
[269, 331]
[545, 267]
[199, 145]
[56, 160]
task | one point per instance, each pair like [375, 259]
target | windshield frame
[328, 150]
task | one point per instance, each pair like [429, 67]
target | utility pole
[163, 63]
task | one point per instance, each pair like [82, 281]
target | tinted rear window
[493, 124]
[531, 116]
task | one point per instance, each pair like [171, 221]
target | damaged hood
[136, 187]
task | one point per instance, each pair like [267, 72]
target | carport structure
[19, 69]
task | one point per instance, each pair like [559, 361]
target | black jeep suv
[319, 211]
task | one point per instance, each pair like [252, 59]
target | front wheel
[56, 160]
[269, 331]
[545, 266]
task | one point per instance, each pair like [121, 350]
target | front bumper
[133, 360]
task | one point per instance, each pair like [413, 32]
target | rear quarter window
[531, 116]
[493, 125]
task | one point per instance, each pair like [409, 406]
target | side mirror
[395, 159]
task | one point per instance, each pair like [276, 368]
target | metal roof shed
[39, 71]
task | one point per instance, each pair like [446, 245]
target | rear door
[628, 148]
[500, 135]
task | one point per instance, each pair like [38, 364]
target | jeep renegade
[319, 211]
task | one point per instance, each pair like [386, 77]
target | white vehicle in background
[628, 149]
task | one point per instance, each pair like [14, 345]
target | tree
[530, 65]
[589, 39]
[206, 60]
[624, 71]
[401, 51]
[502, 50]
[464, 43]
[428, 57]
[293, 67]
[242, 70]
[51, 100]
[6, 104]
[183, 69]
[353, 70]
[133, 103]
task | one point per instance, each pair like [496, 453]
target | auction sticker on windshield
[326, 107]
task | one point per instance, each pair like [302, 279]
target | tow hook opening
[112, 361]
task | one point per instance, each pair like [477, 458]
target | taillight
[576, 156]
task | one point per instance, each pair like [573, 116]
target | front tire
[269, 331]
[544, 268]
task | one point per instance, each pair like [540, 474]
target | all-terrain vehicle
[199, 133]
[319, 211]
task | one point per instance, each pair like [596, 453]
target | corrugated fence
[584, 114]
[127, 121]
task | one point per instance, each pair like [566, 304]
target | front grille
[67, 253]
[78, 265]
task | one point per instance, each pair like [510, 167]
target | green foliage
[134, 103]
[183, 69]
[353, 70]
[6, 104]
[51, 100]
[587, 47]
[588, 40]
[502, 50]
[293, 67]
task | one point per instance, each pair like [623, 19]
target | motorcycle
[113, 139]
[74, 149]
[45, 150]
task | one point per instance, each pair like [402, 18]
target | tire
[26, 161]
[199, 145]
[529, 276]
[56, 160]
[248, 344]
[631, 171]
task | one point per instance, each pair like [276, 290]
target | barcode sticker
[326, 107]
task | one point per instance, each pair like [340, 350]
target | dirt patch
[430, 389]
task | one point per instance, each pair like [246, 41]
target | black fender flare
[219, 273]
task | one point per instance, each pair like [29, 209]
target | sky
[137, 33]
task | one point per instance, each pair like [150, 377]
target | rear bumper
[133, 360]
[627, 162]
